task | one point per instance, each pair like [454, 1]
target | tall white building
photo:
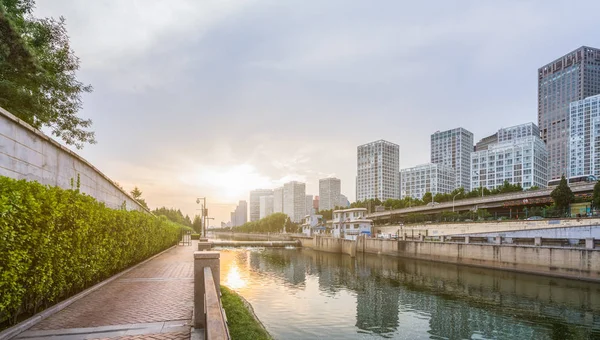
[584, 139]
[522, 160]
[266, 206]
[377, 175]
[294, 200]
[255, 202]
[240, 215]
[453, 148]
[330, 190]
[518, 131]
[433, 178]
[309, 205]
[278, 200]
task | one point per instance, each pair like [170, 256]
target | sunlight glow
[234, 280]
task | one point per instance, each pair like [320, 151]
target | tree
[562, 195]
[38, 81]
[136, 193]
[596, 196]
[427, 197]
[197, 224]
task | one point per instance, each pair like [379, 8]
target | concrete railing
[587, 243]
[208, 312]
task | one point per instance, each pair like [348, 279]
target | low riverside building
[313, 225]
[350, 223]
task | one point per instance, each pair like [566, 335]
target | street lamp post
[453, 201]
[204, 216]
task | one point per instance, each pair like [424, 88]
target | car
[535, 218]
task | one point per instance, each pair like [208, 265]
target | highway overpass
[501, 202]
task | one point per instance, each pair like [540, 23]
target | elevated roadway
[492, 202]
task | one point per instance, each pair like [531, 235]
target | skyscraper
[255, 202]
[266, 206]
[278, 200]
[377, 175]
[584, 149]
[433, 178]
[572, 77]
[294, 200]
[308, 205]
[240, 215]
[330, 190]
[453, 148]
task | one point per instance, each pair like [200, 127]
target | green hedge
[55, 243]
[195, 236]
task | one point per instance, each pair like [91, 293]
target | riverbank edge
[230, 293]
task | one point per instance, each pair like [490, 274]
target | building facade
[266, 206]
[378, 166]
[309, 205]
[523, 161]
[518, 131]
[486, 141]
[570, 78]
[278, 200]
[344, 202]
[433, 178]
[330, 190]
[294, 200]
[255, 202]
[240, 215]
[350, 223]
[584, 137]
[453, 148]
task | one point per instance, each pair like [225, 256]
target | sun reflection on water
[234, 280]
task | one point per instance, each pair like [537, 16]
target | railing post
[204, 246]
[498, 240]
[467, 239]
[537, 241]
[204, 259]
[589, 243]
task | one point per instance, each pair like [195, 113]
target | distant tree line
[174, 215]
[273, 223]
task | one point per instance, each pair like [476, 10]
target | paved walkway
[153, 301]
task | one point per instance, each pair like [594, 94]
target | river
[304, 294]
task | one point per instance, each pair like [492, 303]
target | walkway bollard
[204, 259]
[589, 243]
[204, 246]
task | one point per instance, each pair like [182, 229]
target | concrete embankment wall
[564, 233]
[27, 153]
[483, 227]
[556, 261]
[252, 236]
[329, 244]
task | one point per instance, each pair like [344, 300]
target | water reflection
[301, 294]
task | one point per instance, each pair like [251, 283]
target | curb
[32, 321]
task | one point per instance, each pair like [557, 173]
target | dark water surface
[303, 294]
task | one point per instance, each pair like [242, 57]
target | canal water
[304, 294]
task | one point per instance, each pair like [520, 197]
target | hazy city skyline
[218, 98]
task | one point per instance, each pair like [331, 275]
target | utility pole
[204, 214]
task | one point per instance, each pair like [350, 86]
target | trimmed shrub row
[55, 243]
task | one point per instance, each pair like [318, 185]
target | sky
[215, 98]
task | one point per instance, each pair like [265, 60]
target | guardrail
[587, 243]
[208, 311]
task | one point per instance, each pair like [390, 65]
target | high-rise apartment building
[330, 190]
[344, 202]
[518, 131]
[266, 206]
[453, 148]
[522, 161]
[584, 146]
[315, 203]
[240, 215]
[278, 200]
[294, 200]
[378, 171]
[431, 177]
[570, 78]
[308, 205]
[486, 141]
[255, 202]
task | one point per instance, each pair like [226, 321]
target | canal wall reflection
[456, 301]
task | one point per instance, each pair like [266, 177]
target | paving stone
[158, 291]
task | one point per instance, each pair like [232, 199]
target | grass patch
[241, 322]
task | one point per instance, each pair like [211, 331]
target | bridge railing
[587, 243]
[208, 311]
